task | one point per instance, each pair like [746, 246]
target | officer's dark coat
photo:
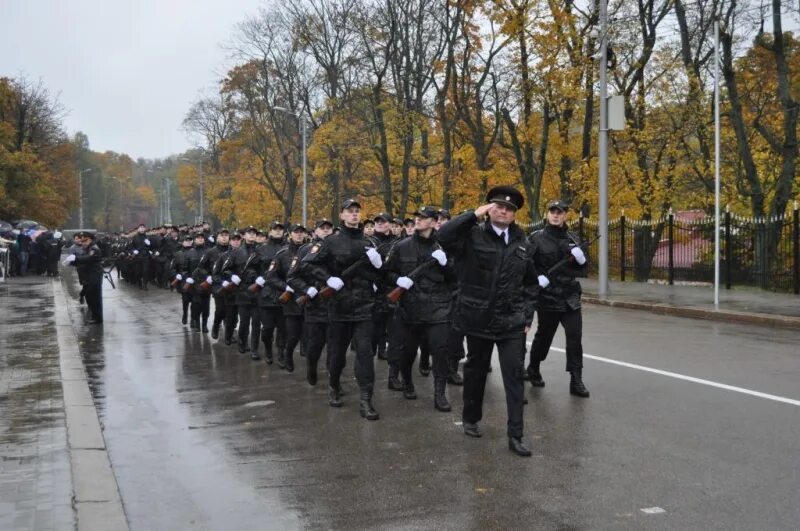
[548, 246]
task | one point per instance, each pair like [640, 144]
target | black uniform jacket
[430, 299]
[548, 246]
[267, 252]
[247, 266]
[90, 270]
[496, 281]
[277, 276]
[316, 309]
[355, 301]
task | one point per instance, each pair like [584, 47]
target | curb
[96, 497]
[725, 316]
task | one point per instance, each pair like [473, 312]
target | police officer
[228, 288]
[246, 268]
[90, 275]
[495, 303]
[269, 308]
[140, 248]
[276, 278]
[315, 309]
[425, 307]
[455, 339]
[349, 265]
[195, 271]
[179, 275]
[216, 258]
[384, 241]
[559, 299]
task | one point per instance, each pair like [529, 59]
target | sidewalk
[739, 305]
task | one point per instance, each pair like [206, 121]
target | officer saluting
[495, 304]
[90, 275]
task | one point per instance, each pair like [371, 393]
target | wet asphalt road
[200, 437]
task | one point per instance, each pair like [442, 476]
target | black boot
[194, 325]
[281, 360]
[394, 380]
[254, 355]
[439, 398]
[409, 393]
[516, 445]
[289, 359]
[453, 378]
[365, 407]
[228, 339]
[215, 330]
[242, 346]
[268, 355]
[334, 396]
[205, 326]
[534, 375]
[183, 318]
[576, 386]
[382, 351]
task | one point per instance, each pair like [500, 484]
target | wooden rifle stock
[254, 288]
[398, 292]
[175, 283]
[285, 297]
[205, 286]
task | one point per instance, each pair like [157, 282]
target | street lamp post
[80, 196]
[302, 120]
[202, 183]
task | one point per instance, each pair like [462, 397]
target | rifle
[233, 286]
[398, 292]
[564, 261]
[327, 292]
[285, 297]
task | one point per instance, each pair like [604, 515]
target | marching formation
[385, 288]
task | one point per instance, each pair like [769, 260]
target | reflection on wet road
[201, 437]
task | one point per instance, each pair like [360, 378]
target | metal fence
[680, 247]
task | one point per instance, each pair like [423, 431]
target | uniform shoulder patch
[315, 248]
[294, 261]
[272, 265]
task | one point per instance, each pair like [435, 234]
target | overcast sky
[126, 70]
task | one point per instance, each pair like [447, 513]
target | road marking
[653, 510]
[684, 377]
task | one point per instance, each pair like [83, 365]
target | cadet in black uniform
[269, 308]
[425, 308]
[383, 311]
[276, 278]
[228, 289]
[455, 339]
[350, 309]
[559, 299]
[90, 275]
[495, 303]
[179, 274]
[216, 258]
[246, 266]
[140, 248]
[315, 309]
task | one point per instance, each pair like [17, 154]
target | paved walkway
[35, 480]
[743, 305]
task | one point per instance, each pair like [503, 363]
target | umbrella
[25, 224]
[5, 226]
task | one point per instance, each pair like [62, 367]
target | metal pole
[602, 249]
[169, 206]
[716, 162]
[305, 175]
[202, 196]
[80, 197]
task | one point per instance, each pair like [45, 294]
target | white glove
[146, 241]
[260, 281]
[543, 281]
[157, 253]
[405, 283]
[209, 280]
[312, 292]
[178, 277]
[577, 252]
[374, 288]
[190, 281]
[289, 289]
[136, 251]
[440, 257]
[211, 239]
[68, 260]
[335, 283]
[236, 280]
[225, 283]
[374, 257]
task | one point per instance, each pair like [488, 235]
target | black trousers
[249, 316]
[315, 336]
[380, 324]
[455, 344]
[434, 338]
[186, 300]
[271, 317]
[339, 336]
[294, 331]
[394, 352]
[231, 319]
[572, 322]
[511, 352]
[93, 294]
[219, 310]
[201, 307]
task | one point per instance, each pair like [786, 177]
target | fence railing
[753, 252]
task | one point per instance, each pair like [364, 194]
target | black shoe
[205, 328]
[289, 365]
[215, 331]
[194, 325]
[242, 347]
[472, 430]
[394, 381]
[536, 379]
[382, 352]
[334, 397]
[424, 366]
[268, 357]
[183, 319]
[576, 386]
[439, 398]
[254, 356]
[281, 361]
[516, 445]
[80, 301]
[228, 341]
[455, 379]
[365, 406]
[409, 393]
[94, 321]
